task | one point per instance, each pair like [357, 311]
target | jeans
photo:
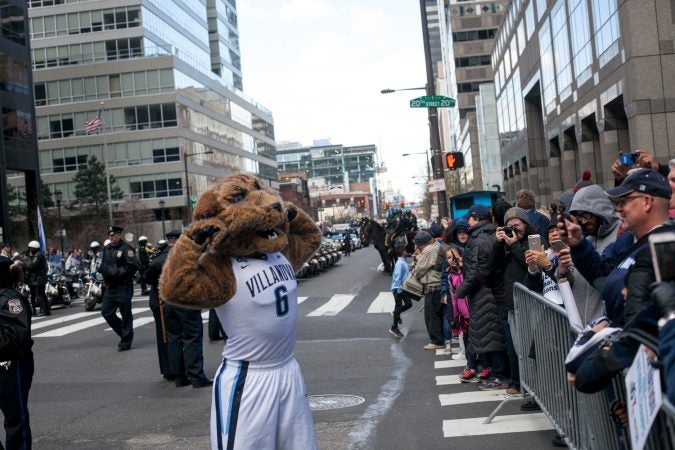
[402, 303]
[471, 358]
[447, 320]
[510, 349]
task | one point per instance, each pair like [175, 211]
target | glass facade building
[18, 149]
[577, 81]
[165, 78]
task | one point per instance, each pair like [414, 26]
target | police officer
[16, 360]
[185, 334]
[144, 260]
[118, 268]
[156, 263]
[35, 270]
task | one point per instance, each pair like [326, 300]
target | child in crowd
[458, 308]
[402, 302]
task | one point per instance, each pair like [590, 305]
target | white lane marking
[138, 322]
[443, 380]
[448, 363]
[516, 423]
[441, 351]
[50, 322]
[383, 303]
[461, 398]
[82, 325]
[337, 303]
[302, 299]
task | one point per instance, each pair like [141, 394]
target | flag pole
[105, 165]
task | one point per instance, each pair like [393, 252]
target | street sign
[436, 185]
[320, 209]
[432, 101]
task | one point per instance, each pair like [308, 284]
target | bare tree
[135, 216]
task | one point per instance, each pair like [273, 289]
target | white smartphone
[534, 242]
[662, 249]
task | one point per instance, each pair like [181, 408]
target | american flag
[92, 125]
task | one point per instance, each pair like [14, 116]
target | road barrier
[544, 336]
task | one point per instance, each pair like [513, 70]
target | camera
[628, 159]
[508, 230]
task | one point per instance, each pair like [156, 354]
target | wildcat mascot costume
[239, 256]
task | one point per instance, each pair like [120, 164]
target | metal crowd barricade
[543, 337]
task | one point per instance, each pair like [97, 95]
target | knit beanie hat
[421, 238]
[436, 230]
[585, 181]
[516, 213]
[566, 199]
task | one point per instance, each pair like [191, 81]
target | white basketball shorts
[261, 406]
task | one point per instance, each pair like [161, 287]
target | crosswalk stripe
[302, 299]
[449, 363]
[444, 380]
[337, 303]
[82, 325]
[476, 396]
[383, 303]
[441, 351]
[138, 322]
[50, 322]
[516, 423]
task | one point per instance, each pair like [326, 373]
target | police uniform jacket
[15, 340]
[153, 273]
[118, 268]
[143, 258]
[35, 269]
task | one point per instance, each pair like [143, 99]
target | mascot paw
[291, 212]
[209, 232]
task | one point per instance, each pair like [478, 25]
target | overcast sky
[319, 65]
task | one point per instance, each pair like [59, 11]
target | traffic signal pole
[434, 132]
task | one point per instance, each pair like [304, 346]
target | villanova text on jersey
[269, 277]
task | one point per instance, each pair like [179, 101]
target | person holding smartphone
[596, 215]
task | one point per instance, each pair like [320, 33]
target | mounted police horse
[374, 232]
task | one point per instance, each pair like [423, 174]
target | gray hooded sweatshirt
[593, 199]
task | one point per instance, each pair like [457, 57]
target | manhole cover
[333, 401]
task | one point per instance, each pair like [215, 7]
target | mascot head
[254, 216]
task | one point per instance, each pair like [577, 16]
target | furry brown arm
[194, 276]
[304, 237]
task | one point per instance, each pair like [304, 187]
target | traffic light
[362, 203]
[454, 160]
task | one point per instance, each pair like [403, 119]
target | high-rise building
[471, 27]
[165, 78]
[577, 81]
[18, 155]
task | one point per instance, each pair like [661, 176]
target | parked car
[356, 241]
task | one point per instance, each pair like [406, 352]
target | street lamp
[426, 153]
[162, 203]
[58, 196]
[188, 204]
[389, 91]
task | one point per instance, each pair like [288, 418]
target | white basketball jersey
[260, 318]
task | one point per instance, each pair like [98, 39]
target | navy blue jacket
[667, 350]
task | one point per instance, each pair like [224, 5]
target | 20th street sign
[432, 101]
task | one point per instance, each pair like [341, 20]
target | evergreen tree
[90, 189]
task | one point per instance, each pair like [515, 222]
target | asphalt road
[86, 395]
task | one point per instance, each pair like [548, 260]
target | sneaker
[459, 356]
[468, 376]
[485, 374]
[530, 406]
[432, 346]
[448, 349]
[512, 391]
[493, 385]
[396, 332]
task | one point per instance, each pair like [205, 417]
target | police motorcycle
[56, 290]
[75, 281]
[93, 290]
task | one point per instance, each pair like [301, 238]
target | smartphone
[662, 249]
[628, 159]
[534, 242]
[557, 245]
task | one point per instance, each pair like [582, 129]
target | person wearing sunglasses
[595, 213]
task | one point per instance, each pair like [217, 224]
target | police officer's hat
[173, 234]
[114, 229]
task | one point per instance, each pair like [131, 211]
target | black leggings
[402, 304]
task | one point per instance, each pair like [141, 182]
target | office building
[18, 154]
[577, 81]
[165, 78]
[471, 27]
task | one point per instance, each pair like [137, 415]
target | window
[469, 61]
[474, 35]
[40, 93]
[561, 48]
[606, 24]
[580, 34]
